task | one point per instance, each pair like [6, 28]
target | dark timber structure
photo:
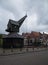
[13, 39]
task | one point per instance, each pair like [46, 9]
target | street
[33, 58]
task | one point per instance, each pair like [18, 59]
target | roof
[19, 23]
[13, 35]
[32, 34]
[35, 34]
[26, 34]
[21, 20]
[13, 22]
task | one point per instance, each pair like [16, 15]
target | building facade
[35, 38]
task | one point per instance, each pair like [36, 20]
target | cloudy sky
[37, 14]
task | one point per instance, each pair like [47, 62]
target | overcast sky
[37, 14]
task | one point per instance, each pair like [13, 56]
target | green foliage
[0, 36]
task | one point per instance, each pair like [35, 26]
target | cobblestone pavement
[35, 58]
[5, 52]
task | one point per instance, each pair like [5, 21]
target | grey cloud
[19, 7]
[4, 17]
